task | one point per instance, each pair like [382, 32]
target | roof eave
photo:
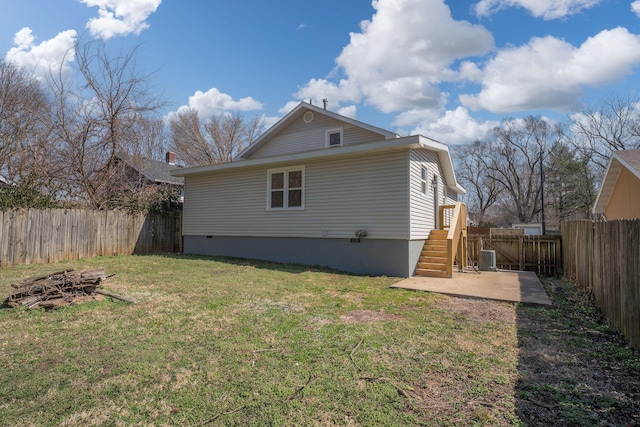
[444, 155]
[387, 144]
[607, 184]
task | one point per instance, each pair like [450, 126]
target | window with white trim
[285, 188]
[333, 137]
[423, 180]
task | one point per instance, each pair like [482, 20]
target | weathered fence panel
[542, 254]
[603, 259]
[29, 236]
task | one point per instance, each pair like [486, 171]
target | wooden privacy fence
[603, 259]
[48, 235]
[542, 254]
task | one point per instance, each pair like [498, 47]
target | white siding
[422, 210]
[367, 192]
[300, 136]
[452, 196]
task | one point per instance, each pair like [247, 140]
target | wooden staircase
[442, 246]
[433, 258]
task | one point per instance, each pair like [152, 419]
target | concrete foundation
[360, 256]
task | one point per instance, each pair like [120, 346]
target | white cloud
[470, 71]
[454, 127]
[546, 9]
[288, 107]
[635, 7]
[395, 62]
[269, 121]
[40, 59]
[120, 17]
[318, 89]
[213, 102]
[348, 111]
[551, 73]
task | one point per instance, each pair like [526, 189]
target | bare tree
[150, 139]
[612, 124]
[23, 107]
[94, 119]
[515, 163]
[473, 172]
[188, 139]
[218, 140]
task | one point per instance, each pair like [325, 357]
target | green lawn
[231, 342]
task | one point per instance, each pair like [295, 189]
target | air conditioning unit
[487, 260]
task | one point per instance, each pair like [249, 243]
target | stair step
[432, 265]
[434, 253]
[435, 244]
[433, 259]
[430, 273]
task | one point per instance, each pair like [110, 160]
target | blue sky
[450, 70]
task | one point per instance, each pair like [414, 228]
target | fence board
[43, 236]
[603, 259]
[542, 254]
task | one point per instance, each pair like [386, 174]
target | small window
[285, 188]
[423, 180]
[333, 138]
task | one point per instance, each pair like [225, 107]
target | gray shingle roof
[154, 170]
[631, 158]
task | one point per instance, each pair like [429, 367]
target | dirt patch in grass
[366, 317]
[350, 296]
[478, 311]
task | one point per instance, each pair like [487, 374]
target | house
[528, 229]
[319, 188]
[619, 194]
[154, 171]
[144, 172]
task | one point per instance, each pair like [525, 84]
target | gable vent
[308, 117]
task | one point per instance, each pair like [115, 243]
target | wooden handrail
[456, 224]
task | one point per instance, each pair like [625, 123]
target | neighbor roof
[629, 159]
[154, 170]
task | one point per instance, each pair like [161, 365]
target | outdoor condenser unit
[487, 260]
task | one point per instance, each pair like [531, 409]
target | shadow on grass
[263, 265]
[573, 368]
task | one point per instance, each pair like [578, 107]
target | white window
[333, 138]
[285, 188]
[423, 180]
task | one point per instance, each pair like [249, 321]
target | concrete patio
[502, 285]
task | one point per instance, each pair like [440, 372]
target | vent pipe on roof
[326, 103]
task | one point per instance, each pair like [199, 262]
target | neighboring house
[146, 172]
[619, 195]
[322, 189]
[529, 229]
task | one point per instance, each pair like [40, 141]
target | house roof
[154, 170]
[629, 159]
[298, 112]
[397, 143]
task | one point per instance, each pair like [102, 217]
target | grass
[573, 368]
[215, 341]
